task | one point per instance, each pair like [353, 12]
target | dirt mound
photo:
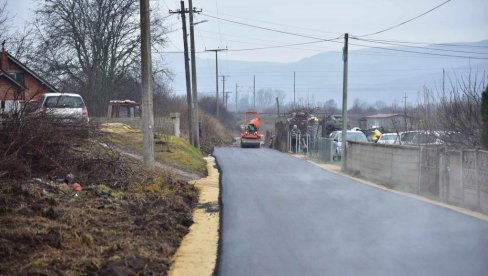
[127, 220]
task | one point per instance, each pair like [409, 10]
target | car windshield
[63, 102]
[407, 137]
[424, 138]
[388, 137]
[354, 136]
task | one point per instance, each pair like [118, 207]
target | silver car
[356, 136]
[62, 109]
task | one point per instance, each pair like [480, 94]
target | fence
[167, 125]
[321, 149]
[454, 176]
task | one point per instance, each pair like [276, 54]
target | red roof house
[18, 84]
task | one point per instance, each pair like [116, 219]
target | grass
[168, 149]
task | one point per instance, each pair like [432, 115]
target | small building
[389, 122]
[123, 109]
[18, 84]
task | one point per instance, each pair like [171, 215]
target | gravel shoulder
[197, 253]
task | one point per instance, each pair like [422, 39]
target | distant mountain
[374, 74]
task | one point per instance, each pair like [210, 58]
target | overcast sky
[456, 21]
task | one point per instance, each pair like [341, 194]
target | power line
[419, 47]
[270, 29]
[416, 52]
[430, 43]
[405, 22]
[278, 24]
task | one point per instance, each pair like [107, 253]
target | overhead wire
[269, 29]
[416, 52]
[407, 21]
[418, 47]
[278, 24]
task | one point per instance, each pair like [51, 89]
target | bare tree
[91, 45]
[455, 115]
[3, 19]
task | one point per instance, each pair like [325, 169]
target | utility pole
[196, 125]
[147, 97]
[236, 97]
[405, 110]
[294, 87]
[226, 99]
[344, 106]
[189, 98]
[216, 79]
[223, 89]
[278, 106]
[443, 82]
[254, 93]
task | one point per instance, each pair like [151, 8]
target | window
[19, 77]
[63, 102]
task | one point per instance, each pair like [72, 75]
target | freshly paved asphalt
[285, 216]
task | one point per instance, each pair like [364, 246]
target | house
[18, 84]
[389, 122]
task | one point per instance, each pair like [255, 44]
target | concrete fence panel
[458, 177]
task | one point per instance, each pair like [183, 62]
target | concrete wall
[458, 177]
[167, 125]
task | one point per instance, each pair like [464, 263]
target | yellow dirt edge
[197, 254]
[337, 170]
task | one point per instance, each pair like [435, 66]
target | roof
[12, 80]
[383, 115]
[62, 94]
[32, 73]
[128, 102]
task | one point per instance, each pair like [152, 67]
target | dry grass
[127, 219]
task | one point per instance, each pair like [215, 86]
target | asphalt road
[284, 216]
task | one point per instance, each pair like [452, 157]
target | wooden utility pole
[344, 106]
[216, 79]
[147, 96]
[196, 125]
[189, 98]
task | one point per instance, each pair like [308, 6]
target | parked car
[407, 137]
[64, 109]
[356, 136]
[389, 138]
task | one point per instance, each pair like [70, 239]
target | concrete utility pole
[189, 98]
[147, 96]
[278, 106]
[226, 99]
[294, 87]
[216, 79]
[254, 93]
[443, 82]
[236, 97]
[223, 89]
[196, 125]
[344, 106]
[405, 111]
